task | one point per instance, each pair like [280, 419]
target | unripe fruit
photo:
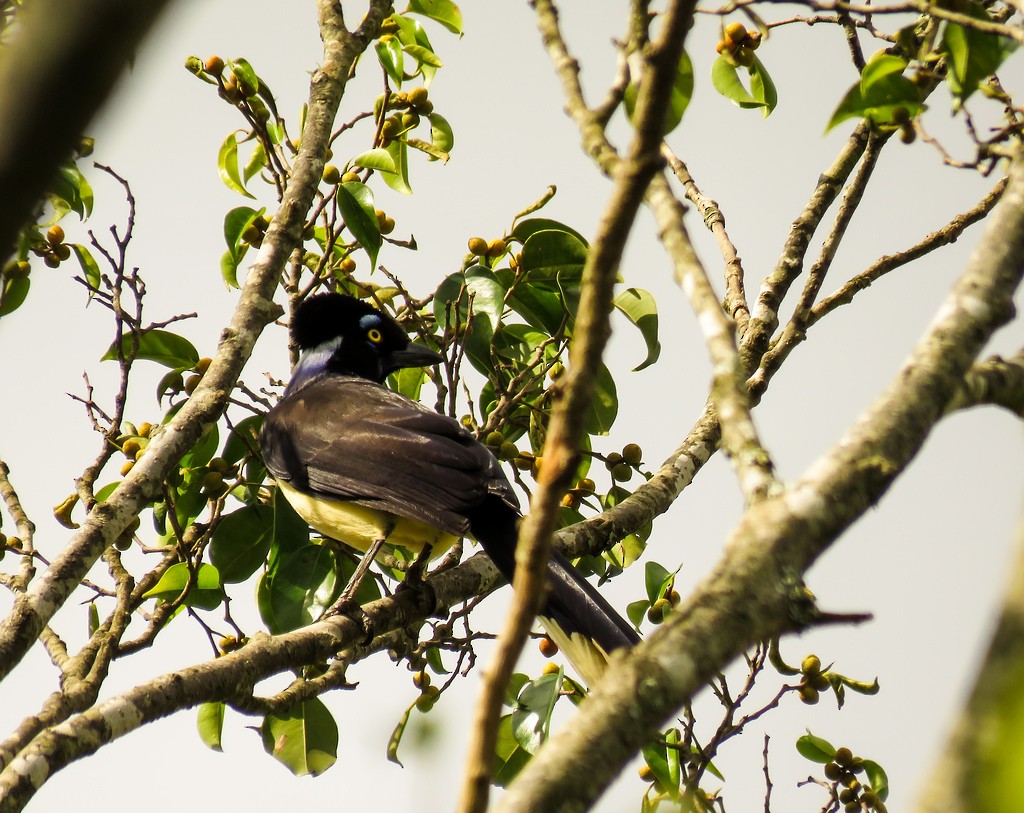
[557, 371]
[808, 694]
[252, 235]
[127, 467]
[570, 500]
[429, 697]
[612, 460]
[847, 795]
[350, 177]
[656, 612]
[632, 454]
[477, 246]
[908, 135]
[496, 247]
[646, 774]
[586, 486]
[753, 40]
[410, 120]
[736, 32]
[131, 448]
[851, 807]
[214, 66]
[843, 756]
[331, 174]
[495, 438]
[547, 647]
[347, 265]
[55, 235]
[388, 130]
[622, 472]
[17, 269]
[550, 669]
[421, 680]
[203, 365]
[811, 665]
[523, 463]
[673, 597]
[219, 464]
[721, 46]
[508, 450]
[832, 771]
[213, 480]
[51, 260]
[744, 56]
[63, 251]
[417, 96]
[191, 383]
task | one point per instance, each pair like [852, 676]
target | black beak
[414, 355]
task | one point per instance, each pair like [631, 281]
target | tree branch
[755, 591]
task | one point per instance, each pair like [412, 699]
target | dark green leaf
[241, 542]
[550, 256]
[297, 588]
[636, 611]
[304, 738]
[243, 440]
[161, 346]
[14, 293]
[655, 577]
[815, 748]
[524, 229]
[882, 90]
[878, 68]
[640, 308]
[71, 191]
[355, 200]
[604, 406]
[444, 12]
[542, 309]
[203, 450]
[210, 721]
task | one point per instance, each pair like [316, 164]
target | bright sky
[929, 561]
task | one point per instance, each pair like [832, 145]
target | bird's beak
[414, 355]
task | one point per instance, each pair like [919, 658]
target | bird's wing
[351, 439]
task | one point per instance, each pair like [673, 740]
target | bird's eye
[374, 335]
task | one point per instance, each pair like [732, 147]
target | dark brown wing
[352, 439]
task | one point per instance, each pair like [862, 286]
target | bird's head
[345, 335]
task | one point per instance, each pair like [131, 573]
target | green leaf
[71, 191]
[247, 77]
[210, 722]
[428, 148]
[242, 541]
[550, 256]
[815, 748]
[90, 269]
[235, 222]
[396, 736]
[725, 79]
[444, 12]
[881, 90]
[531, 717]
[257, 161]
[509, 757]
[297, 588]
[161, 346]
[640, 308]
[206, 594]
[682, 92]
[542, 309]
[14, 293]
[877, 778]
[243, 439]
[655, 577]
[441, 135]
[304, 739]
[355, 200]
[762, 88]
[377, 158]
[389, 54]
[399, 179]
[878, 68]
[424, 56]
[636, 611]
[604, 406]
[452, 309]
[973, 55]
[525, 229]
[227, 164]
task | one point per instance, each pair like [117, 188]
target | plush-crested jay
[363, 464]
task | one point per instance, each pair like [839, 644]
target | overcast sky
[928, 562]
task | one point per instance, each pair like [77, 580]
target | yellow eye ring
[374, 335]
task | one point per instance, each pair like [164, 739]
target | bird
[365, 465]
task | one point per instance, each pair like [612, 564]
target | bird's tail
[576, 616]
